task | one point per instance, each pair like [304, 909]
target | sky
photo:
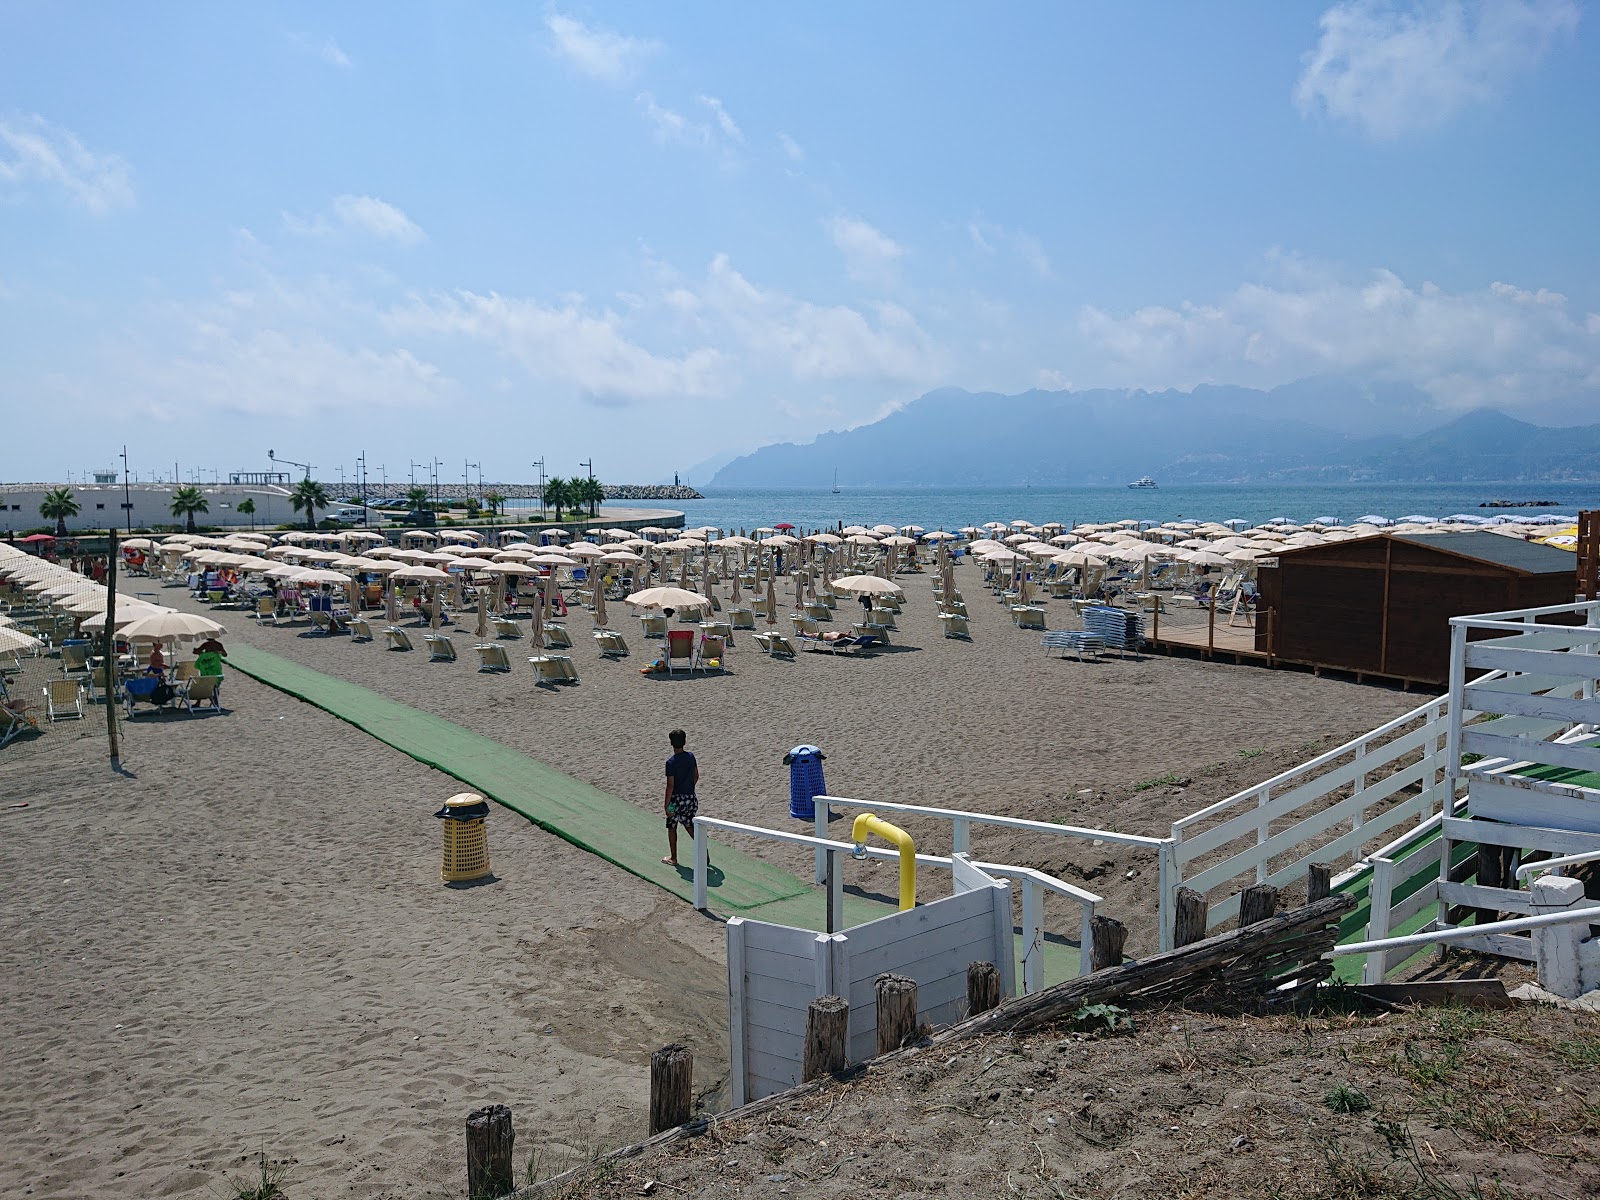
[653, 235]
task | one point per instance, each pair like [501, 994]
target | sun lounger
[655, 625]
[63, 699]
[742, 617]
[804, 627]
[680, 648]
[556, 637]
[611, 644]
[397, 638]
[775, 644]
[492, 657]
[202, 689]
[1070, 641]
[440, 647]
[16, 719]
[505, 627]
[713, 649]
[818, 611]
[1026, 616]
[323, 620]
[554, 668]
[842, 643]
[360, 631]
[143, 689]
[75, 659]
[97, 684]
[871, 629]
[955, 625]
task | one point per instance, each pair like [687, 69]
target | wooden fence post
[1191, 913]
[1258, 902]
[489, 1140]
[1319, 882]
[983, 987]
[897, 1011]
[827, 1037]
[1109, 936]
[671, 1083]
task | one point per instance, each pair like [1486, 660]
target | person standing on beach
[683, 776]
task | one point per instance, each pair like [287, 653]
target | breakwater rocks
[455, 493]
[1518, 504]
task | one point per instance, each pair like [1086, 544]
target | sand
[242, 944]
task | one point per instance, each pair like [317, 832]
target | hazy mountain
[1325, 429]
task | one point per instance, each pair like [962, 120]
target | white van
[346, 514]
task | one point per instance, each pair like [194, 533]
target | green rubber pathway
[621, 833]
[605, 825]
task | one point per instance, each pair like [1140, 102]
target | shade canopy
[159, 625]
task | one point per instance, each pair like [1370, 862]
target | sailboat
[836, 481]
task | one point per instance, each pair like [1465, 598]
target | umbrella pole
[111, 648]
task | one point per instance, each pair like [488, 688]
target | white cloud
[1501, 345]
[869, 254]
[730, 130]
[599, 53]
[365, 215]
[791, 148]
[669, 126]
[991, 239]
[1393, 72]
[822, 342]
[328, 50]
[588, 349]
[34, 151]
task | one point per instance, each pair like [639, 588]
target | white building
[102, 505]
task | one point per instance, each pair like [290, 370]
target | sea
[951, 508]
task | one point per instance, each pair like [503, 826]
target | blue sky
[658, 233]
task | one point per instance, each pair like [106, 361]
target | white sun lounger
[492, 657]
[440, 647]
[397, 638]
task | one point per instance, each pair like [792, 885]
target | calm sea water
[951, 508]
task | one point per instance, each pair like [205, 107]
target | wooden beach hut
[1381, 605]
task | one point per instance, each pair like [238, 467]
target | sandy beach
[242, 943]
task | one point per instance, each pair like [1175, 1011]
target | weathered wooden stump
[1258, 902]
[897, 1011]
[983, 987]
[489, 1140]
[1319, 882]
[1190, 913]
[671, 1087]
[827, 1037]
[1109, 935]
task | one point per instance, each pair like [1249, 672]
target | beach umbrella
[536, 634]
[434, 605]
[161, 626]
[667, 597]
[772, 603]
[483, 612]
[867, 583]
[14, 640]
[417, 573]
[737, 596]
[599, 601]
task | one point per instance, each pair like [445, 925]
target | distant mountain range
[1323, 430]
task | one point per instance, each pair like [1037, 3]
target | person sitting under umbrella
[158, 662]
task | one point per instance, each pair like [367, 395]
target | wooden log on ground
[827, 1037]
[983, 987]
[1190, 913]
[671, 1086]
[1109, 936]
[1257, 903]
[1319, 882]
[489, 1141]
[897, 1011]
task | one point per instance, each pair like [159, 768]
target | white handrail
[1497, 620]
[978, 818]
[1555, 864]
[1460, 933]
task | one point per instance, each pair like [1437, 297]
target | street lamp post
[437, 463]
[540, 465]
[127, 495]
[361, 464]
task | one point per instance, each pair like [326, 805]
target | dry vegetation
[1421, 1104]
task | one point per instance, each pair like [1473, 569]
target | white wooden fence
[775, 971]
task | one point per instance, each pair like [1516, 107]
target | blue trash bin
[805, 781]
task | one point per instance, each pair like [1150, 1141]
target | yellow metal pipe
[866, 824]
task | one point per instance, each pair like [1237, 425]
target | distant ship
[1144, 481]
[836, 483]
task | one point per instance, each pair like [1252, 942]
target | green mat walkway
[623, 834]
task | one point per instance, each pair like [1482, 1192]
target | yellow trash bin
[466, 837]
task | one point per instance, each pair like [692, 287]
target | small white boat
[836, 483]
[1144, 481]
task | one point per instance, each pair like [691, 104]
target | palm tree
[495, 501]
[557, 494]
[588, 491]
[309, 495]
[58, 505]
[247, 506]
[417, 497]
[187, 501]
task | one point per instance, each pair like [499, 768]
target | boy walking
[683, 774]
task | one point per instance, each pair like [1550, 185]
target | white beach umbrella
[160, 626]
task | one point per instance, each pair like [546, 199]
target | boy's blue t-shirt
[681, 769]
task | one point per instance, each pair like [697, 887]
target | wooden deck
[1237, 642]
